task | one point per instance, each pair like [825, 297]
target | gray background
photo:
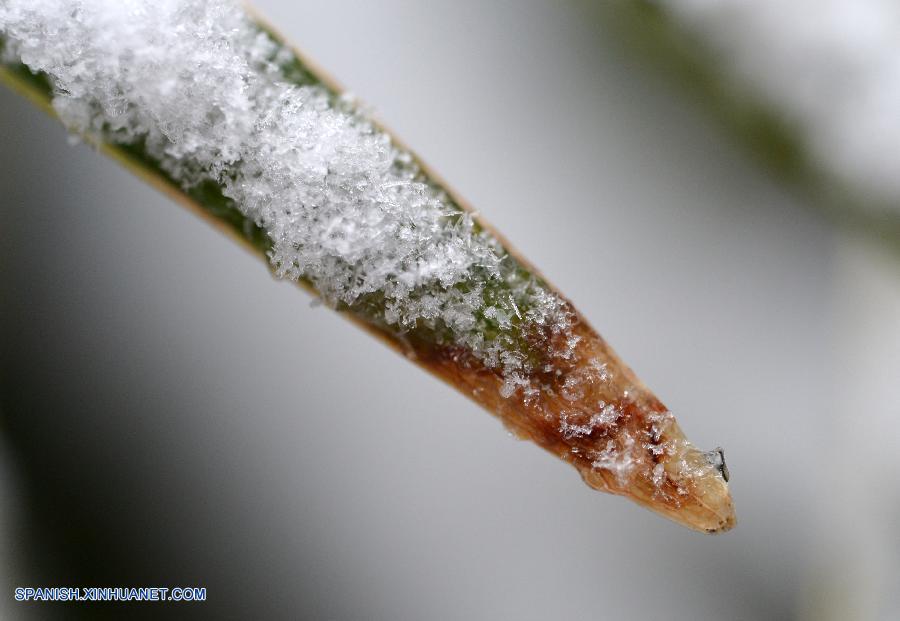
[173, 415]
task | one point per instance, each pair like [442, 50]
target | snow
[207, 94]
[205, 90]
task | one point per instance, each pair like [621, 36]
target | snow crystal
[620, 462]
[830, 67]
[204, 91]
[201, 89]
[605, 417]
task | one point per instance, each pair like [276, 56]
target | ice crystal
[603, 418]
[201, 90]
[618, 460]
[204, 91]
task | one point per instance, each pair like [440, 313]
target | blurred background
[171, 415]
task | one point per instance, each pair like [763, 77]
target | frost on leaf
[207, 96]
